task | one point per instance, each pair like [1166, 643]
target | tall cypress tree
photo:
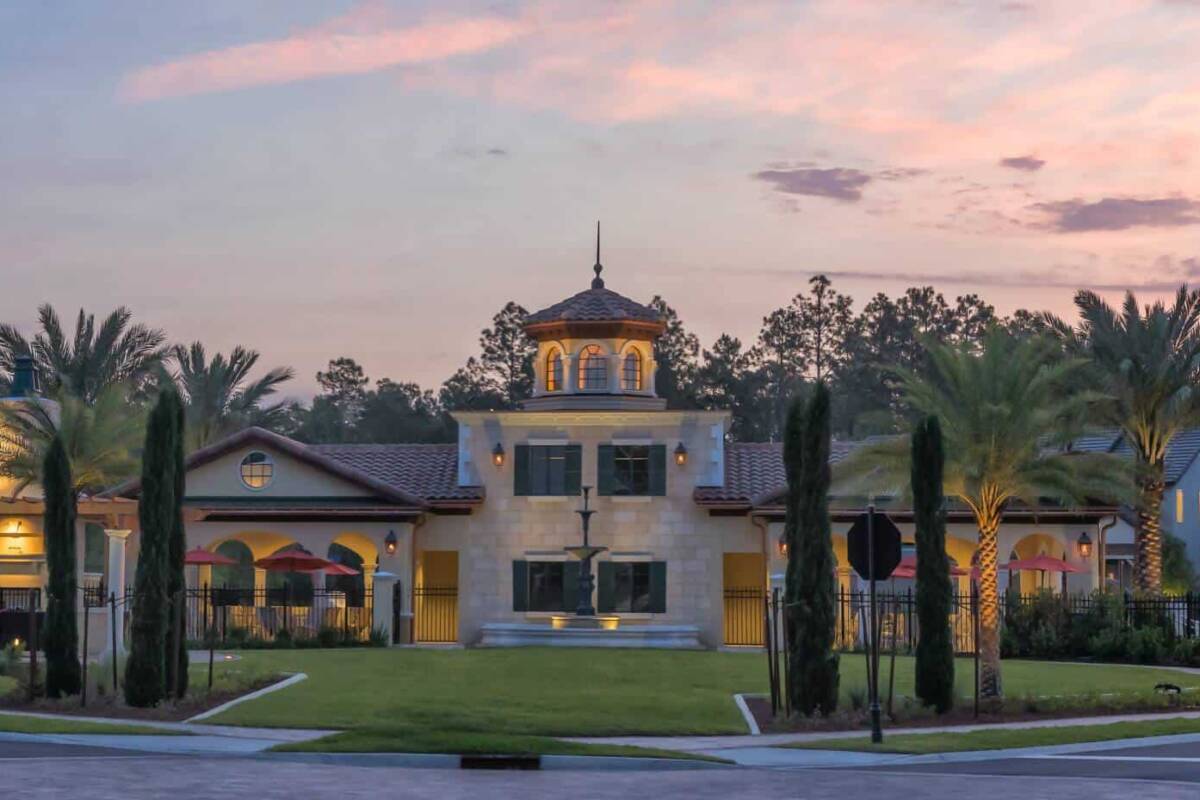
[814, 665]
[61, 638]
[935, 647]
[793, 459]
[177, 662]
[145, 672]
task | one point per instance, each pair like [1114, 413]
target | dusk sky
[315, 179]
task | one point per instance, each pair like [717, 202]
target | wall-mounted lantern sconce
[389, 543]
[1084, 543]
[498, 455]
[680, 454]
[782, 547]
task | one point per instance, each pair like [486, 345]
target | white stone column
[382, 608]
[116, 585]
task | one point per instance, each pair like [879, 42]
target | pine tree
[61, 639]
[813, 608]
[935, 648]
[145, 673]
[177, 660]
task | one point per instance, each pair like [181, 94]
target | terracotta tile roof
[429, 471]
[595, 305]
[754, 473]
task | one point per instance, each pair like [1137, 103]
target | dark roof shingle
[595, 305]
[429, 471]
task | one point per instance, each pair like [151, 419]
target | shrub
[1187, 652]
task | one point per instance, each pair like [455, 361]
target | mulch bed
[108, 706]
[854, 721]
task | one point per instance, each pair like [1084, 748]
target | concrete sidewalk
[718, 745]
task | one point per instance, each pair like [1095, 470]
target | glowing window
[593, 368]
[554, 371]
[257, 470]
[631, 372]
[1179, 505]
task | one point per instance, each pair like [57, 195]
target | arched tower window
[631, 372]
[593, 368]
[554, 371]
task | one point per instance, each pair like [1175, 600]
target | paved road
[1161, 762]
[65, 770]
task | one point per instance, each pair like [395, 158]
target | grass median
[17, 723]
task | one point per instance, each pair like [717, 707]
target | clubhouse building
[456, 542]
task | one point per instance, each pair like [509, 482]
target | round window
[257, 470]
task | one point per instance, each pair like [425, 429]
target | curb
[747, 715]
[274, 687]
[447, 761]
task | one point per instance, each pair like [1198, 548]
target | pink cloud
[316, 53]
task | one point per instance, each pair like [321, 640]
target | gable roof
[297, 450]
[1182, 450]
[427, 470]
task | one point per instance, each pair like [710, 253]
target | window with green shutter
[632, 470]
[547, 470]
[545, 585]
[632, 587]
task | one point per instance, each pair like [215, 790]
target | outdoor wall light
[389, 543]
[680, 454]
[498, 455]
[782, 547]
[1084, 543]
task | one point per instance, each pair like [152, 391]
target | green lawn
[554, 692]
[925, 743]
[11, 723]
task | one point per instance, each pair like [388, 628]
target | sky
[376, 179]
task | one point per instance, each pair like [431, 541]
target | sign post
[874, 548]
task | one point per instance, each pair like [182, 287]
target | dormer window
[554, 371]
[631, 372]
[593, 368]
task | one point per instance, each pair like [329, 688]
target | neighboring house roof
[595, 305]
[427, 470]
[301, 452]
[1182, 450]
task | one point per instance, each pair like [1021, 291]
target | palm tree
[1147, 360]
[101, 438]
[219, 399]
[1003, 407]
[97, 356]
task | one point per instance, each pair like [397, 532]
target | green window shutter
[658, 587]
[658, 470]
[570, 585]
[604, 470]
[521, 470]
[520, 585]
[606, 586]
[574, 470]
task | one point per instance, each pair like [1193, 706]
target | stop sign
[885, 548]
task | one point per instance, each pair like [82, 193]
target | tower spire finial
[597, 282]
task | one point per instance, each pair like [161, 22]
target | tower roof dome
[594, 307]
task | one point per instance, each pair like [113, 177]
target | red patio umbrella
[292, 561]
[203, 558]
[1043, 563]
[335, 568]
[907, 568]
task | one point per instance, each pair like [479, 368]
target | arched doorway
[353, 586]
[289, 588]
[238, 576]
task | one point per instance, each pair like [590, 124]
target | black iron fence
[744, 616]
[1178, 616]
[237, 616]
[435, 614]
[21, 617]
[898, 625]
